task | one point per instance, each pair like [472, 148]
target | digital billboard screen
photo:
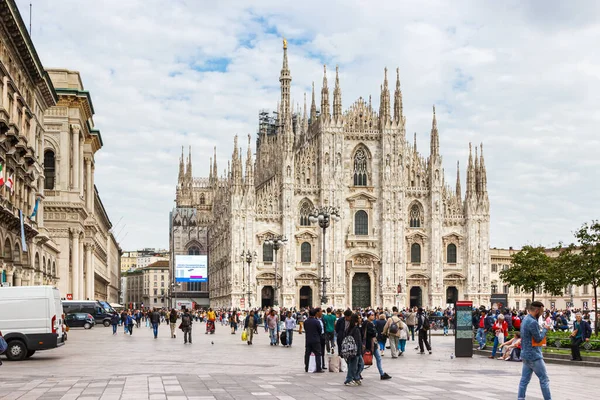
[191, 268]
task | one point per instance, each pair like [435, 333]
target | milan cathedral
[405, 237]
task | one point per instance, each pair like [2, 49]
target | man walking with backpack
[392, 330]
[155, 321]
[423, 327]
[173, 322]
[186, 326]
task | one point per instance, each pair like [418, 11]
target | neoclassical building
[29, 257]
[89, 258]
[406, 237]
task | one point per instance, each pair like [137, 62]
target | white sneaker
[351, 383]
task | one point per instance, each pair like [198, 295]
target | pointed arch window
[305, 252]
[360, 168]
[49, 169]
[267, 252]
[194, 251]
[415, 253]
[305, 210]
[361, 223]
[451, 254]
[202, 199]
[415, 216]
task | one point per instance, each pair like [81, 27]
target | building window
[585, 289]
[267, 252]
[494, 288]
[415, 216]
[155, 300]
[504, 267]
[155, 284]
[49, 169]
[202, 199]
[517, 305]
[305, 252]
[451, 253]
[360, 168]
[517, 291]
[505, 289]
[162, 284]
[494, 267]
[415, 253]
[162, 277]
[305, 210]
[361, 223]
[194, 251]
[155, 292]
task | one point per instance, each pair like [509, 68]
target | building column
[75, 278]
[9, 275]
[81, 167]
[88, 174]
[76, 146]
[89, 273]
[81, 269]
[17, 278]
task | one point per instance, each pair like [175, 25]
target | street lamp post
[324, 215]
[174, 292]
[248, 258]
[277, 242]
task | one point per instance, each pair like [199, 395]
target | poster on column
[191, 268]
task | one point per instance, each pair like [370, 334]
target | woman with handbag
[370, 335]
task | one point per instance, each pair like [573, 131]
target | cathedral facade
[405, 237]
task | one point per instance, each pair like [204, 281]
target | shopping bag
[312, 363]
[244, 336]
[368, 358]
[538, 344]
[343, 365]
[334, 363]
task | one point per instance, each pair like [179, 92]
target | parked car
[101, 310]
[80, 320]
[30, 320]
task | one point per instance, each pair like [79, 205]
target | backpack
[185, 320]
[393, 328]
[349, 348]
[425, 326]
[3, 345]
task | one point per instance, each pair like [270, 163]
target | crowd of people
[351, 339]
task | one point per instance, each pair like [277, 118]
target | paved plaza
[96, 365]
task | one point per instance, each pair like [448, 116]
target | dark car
[80, 320]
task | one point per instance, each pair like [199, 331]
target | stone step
[563, 359]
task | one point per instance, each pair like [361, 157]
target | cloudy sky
[521, 77]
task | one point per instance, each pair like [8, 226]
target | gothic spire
[483, 173]
[384, 104]
[325, 96]
[249, 164]
[188, 172]
[313, 106]
[285, 78]
[435, 138]
[304, 117]
[181, 168]
[477, 174]
[415, 144]
[215, 170]
[470, 176]
[458, 188]
[398, 99]
[337, 96]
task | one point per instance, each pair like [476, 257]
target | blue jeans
[381, 346]
[539, 367]
[411, 329]
[481, 336]
[495, 348]
[445, 330]
[114, 328]
[402, 345]
[377, 356]
[361, 366]
[289, 336]
[352, 374]
[273, 335]
[155, 328]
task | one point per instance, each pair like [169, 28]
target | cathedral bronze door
[361, 290]
[416, 294]
[305, 297]
[267, 296]
[451, 295]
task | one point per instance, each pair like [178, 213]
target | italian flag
[1, 175]
[10, 184]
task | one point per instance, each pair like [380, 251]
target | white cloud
[522, 77]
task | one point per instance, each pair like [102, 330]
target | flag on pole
[10, 184]
[23, 241]
[35, 208]
[1, 175]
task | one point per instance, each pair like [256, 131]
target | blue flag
[34, 213]
[23, 241]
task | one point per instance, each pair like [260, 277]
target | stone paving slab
[95, 364]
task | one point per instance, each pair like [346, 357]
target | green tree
[582, 260]
[530, 269]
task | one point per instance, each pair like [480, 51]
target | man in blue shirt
[533, 361]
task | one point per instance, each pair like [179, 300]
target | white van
[30, 320]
